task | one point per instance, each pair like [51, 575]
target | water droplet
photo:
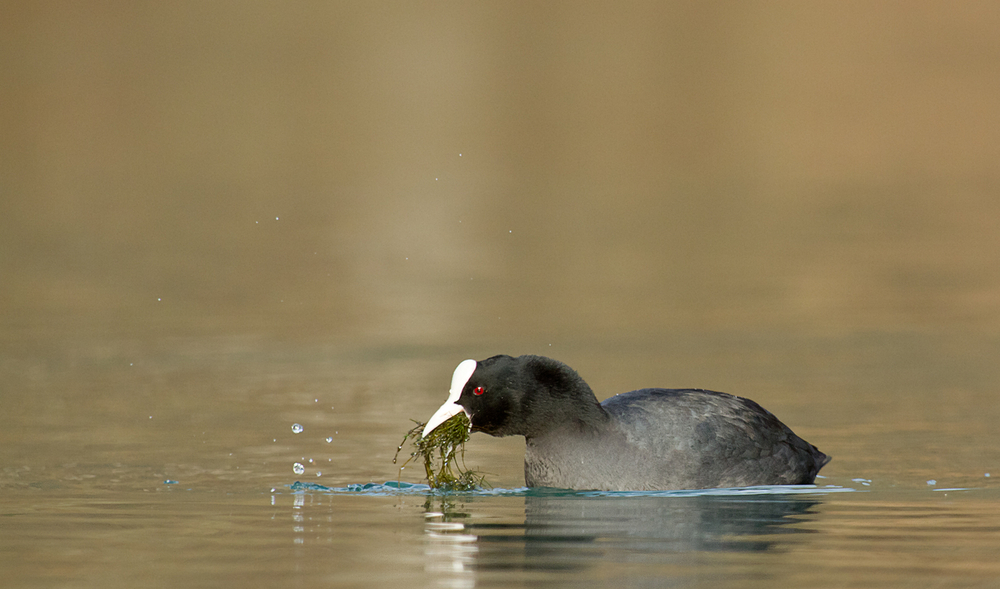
[297, 468]
[330, 439]
[297, 429]
[319, 474]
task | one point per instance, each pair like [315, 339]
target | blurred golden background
[427, 172]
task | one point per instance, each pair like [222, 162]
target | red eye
[478, 391]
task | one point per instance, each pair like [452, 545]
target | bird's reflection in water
[574, 532]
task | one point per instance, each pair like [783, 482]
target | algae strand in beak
[446, 443]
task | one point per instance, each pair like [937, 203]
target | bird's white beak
[451, 408]
[443, 414]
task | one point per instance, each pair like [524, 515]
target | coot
[648, 439]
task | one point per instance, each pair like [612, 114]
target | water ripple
[401, 488]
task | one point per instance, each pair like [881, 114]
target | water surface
[220, 221]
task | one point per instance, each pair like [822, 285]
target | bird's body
[649, 439]
[673, 439]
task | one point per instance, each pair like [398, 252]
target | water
[213, 228]
[204, 494]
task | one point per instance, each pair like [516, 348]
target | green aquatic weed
[447, 440]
